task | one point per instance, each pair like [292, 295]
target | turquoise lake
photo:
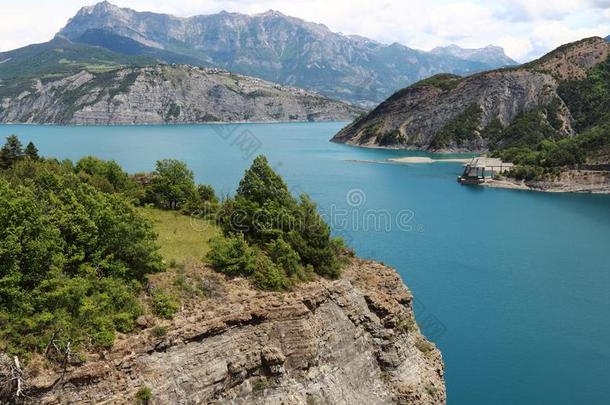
[513, 286]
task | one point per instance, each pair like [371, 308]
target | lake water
[513, 286]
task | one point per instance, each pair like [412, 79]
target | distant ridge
[162, 94]
[274, 47]
[491, 55]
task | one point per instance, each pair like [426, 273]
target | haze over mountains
[277, 48]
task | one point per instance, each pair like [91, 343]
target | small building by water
[481, 169]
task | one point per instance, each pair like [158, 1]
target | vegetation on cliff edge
[76, 251]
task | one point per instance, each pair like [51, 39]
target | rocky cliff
[163, 94]
[352, 340]
[272, 46]
[450, 113]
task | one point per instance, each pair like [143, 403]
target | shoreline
[38, 124]
[599, 185]
[427, 160]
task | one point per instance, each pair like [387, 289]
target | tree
[72, 260]
[105, 175]
[172, 185]
[206, 193]
[31, 151]
[289, 237]
[262, 185]
[11, 152]
[312, 240]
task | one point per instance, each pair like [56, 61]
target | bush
[527, 173]
[551, 156]
[105, 175]
[144, 395]
[268, 275]
[164, 305]
[460, 130]
[282, 254]
[232, 255]
[158, 331]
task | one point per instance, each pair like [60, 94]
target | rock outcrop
[166, 94]
[351, 341]
[450, 113]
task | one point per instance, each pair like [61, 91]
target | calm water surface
[513, 286]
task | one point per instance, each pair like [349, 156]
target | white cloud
[525, 28]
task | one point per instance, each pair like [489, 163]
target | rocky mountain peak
[99, 8]
[272, 46]
[272, 13]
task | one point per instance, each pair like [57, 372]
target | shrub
[268, 275]
[282, 254]
[144, 395]
[164, 305]
[260, 385]
[105, 175]
[232, 255]
[460, 130]
[424, 346]
[158, 331]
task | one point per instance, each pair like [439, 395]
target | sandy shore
[422, 159]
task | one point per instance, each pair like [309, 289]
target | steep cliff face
[352, 340]
[272, 46]
[466, 114]
[165, 94]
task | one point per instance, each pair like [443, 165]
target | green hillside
[60, 57]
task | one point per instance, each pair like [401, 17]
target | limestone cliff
[449, 112]
[351, 341]
[165, 94]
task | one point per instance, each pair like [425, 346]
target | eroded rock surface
[348, 341]
[166, 94]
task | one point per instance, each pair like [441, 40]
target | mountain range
[274, 47]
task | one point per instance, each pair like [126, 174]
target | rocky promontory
[351, 340]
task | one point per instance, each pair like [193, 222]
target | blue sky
[526, 29]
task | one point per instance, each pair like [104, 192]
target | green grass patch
[181, 237]
[443, 81]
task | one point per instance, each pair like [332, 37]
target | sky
[526, 29]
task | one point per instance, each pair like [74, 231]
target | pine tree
[10, 152]
[31, 151]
